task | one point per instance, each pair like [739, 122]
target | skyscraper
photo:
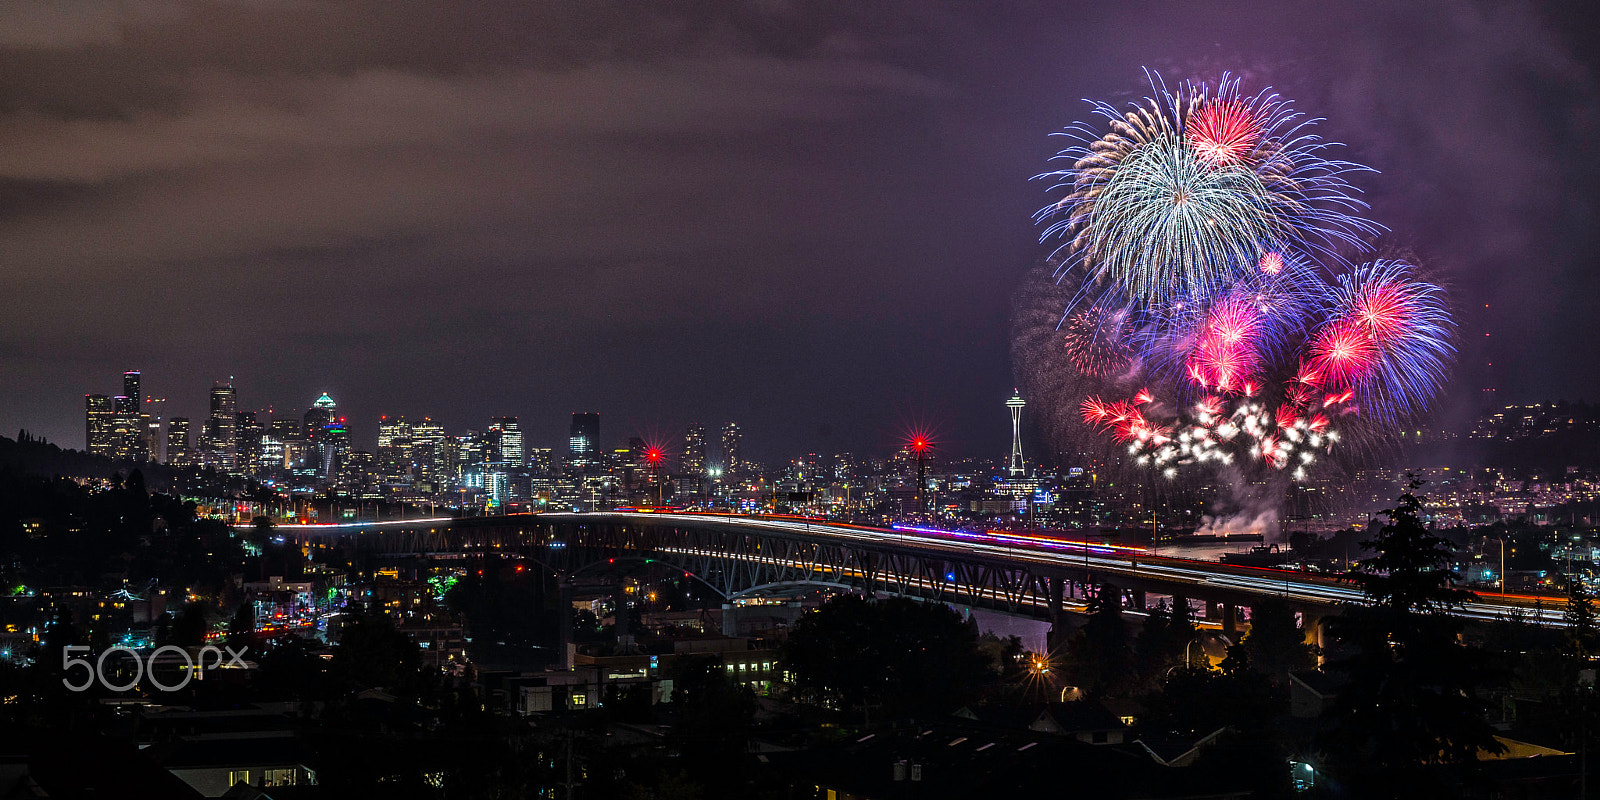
[98, 413]
[178, 442]
[694, 451]
[505, 442]
[730, 449]
[427, 447]
[393, 459]
[584, 446]
[220, 438]
[150, 438]
[247, 436]
[130, 387]
[319, 416]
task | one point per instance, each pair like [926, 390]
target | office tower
[150, 437]
[636, 453]
[427, 446]
[98, 411]
[1015, 404]
[286, 429]
[287, 436]
[130, 387]
[694, 451]
[125, 429]
[730, 449]
[584, 446]
[178, 442]
[393, 458]
[541, 461]
[334, 452]
[459, 455]
[219, 439]
[247, 435]
[352, 470]
[319, 416]
[504, 442]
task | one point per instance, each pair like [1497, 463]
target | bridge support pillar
[1230, 622]
[1213, 610]
[1140, 600]
[1056, 639]
[1180, 604]
[730, 623]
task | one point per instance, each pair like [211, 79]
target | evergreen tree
[1410, 701]
[1582, 641]
[1275, 645]
[1100, 657]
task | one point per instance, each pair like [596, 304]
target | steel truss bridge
[745, 556]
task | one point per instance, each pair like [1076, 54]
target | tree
[1582, 640]
[1163, 641]
[1410, 700]
[713, 713]
[1100, 658]
[1275, 645]
[899, 654]
[371, 652]
[189, 629]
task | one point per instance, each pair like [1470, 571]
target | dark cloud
[796, 214]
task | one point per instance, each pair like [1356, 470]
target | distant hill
[35, 456]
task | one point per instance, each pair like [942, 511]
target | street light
[1502, 541]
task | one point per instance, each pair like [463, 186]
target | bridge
[740, 556]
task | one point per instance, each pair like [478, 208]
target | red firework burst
[1226, 355]
[1382, 312]
[1222, 132]
[1342, 354]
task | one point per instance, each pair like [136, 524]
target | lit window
[238, 776]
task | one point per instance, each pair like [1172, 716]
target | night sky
[807, 217]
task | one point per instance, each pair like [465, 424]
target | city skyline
[883, 261]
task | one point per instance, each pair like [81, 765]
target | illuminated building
[247, 435]
[584, 444]
[98, 411]
[126, 432]
[178, 442]
[322, 415]
[219, 439]
[394, 449]
[130, 387]
[504, 442]
[319, 416]
[541, 461]
[694, 450]
[427, 447]
[150, 438]
[730, 449]
[334, 452]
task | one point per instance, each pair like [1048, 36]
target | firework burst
[1202, 257]
[1184, 189]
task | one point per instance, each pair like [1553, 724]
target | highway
[1106, 560]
